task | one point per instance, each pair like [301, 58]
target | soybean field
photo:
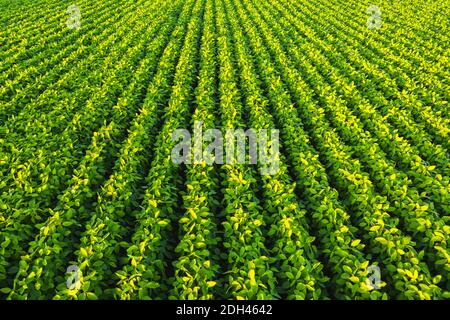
[348, 198]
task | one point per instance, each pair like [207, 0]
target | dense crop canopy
[92, 205]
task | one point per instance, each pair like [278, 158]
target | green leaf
[381, 240]
[91, 296]
[355, 242]
[83, 252]
[5, 290]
